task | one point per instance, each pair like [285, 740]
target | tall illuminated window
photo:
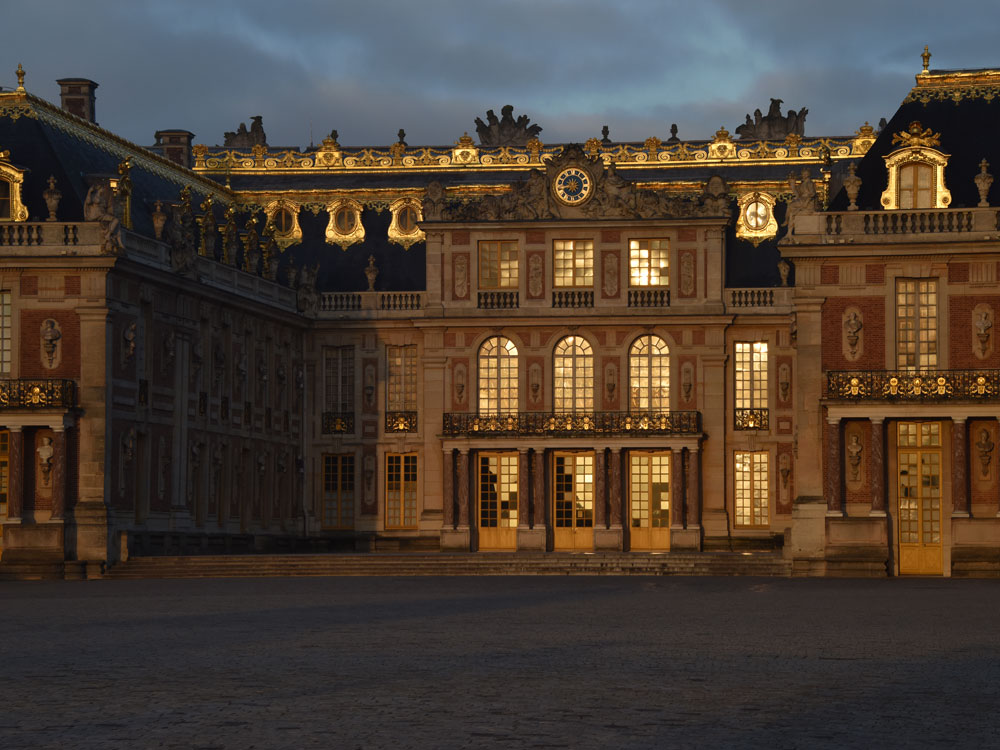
[338, 491]
[573, 375]
[649, 375]
[498, 264]
[649, 489]
[648, 263]
[916, 324]
[338, 378]
[574, 264]
[401, 378]
[752, 507]
[573, 487]
[498, 376]
[400, 490]
[498, 490]
[916, 186]
[751, 385]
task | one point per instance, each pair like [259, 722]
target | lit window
[4, 199]
[338, 491]
[498, 376]
[573, 375]
[574, 490]
[400, 490]
[498, 264]
[916, 186]
[401, 380]
[649, 375]
[338, 364]
[916, 324]
[648, 262]
[751, 385]
[5, 333]
[649, 489]
[498, 490]
[574, 263]
[751, 489]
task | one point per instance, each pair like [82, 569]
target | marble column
[959, 468]
[600, 494]
[448, 490]
[538, 496]
[462, 477]
[877, 464]
[58, 472]
[615, 489]
[677, 489]
[834, 470]
[15, 476]
[523, 507]
[693, 494]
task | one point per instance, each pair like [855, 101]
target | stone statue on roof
[244, 138]
[774, 126]
[505, 131]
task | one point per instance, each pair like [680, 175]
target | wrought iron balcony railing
[913, 385]
[752, 419]
[338, 422]
[572, 425]
[37, 394]
[400, 421]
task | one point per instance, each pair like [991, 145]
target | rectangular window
[338, 372]
[400, 490]
[498, 264]
[916, 324]
[649, 263]
[751, 385]
[574, 264]
[498, 490]
[338, 491]
[752, 508]
[401, 380]
[574, 490]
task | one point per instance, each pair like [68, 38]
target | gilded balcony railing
[913, 385]
[752, 419]
[572, 425]
[37, 394]
[338, 422]
[401, 421]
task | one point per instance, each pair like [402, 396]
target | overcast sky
[431, 66]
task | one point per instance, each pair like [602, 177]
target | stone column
[959, 468]
[693, 494]
[523, 507]
[15, 476]
[877, 464]
[539, 489]
[807, 394]
[462, 477]
[58, 472]
[615, 489]
[448, 490]
[834, 469]
[676, 489]
[600, 494]
[716, 417]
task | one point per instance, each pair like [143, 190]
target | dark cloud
[369, 68]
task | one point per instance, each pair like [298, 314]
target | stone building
[769, 342]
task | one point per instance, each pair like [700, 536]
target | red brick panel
[461, 238]
[31, 365]
[874, 332]
[611, 235]
[961, 355]
[534, 237]
[29, 286]
[874, 274]
[687, 234]
[958, 273]
[829, 275]
[71, 286]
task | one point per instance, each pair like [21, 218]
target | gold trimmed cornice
[955, 85]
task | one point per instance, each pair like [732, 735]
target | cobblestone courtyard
[500, 662]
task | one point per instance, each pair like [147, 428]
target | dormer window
[11, 180]
[916, 171]
[4, 200]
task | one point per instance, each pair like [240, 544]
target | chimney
[77, 97]
[174, 145]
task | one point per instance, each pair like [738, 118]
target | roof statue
[244, 138]
[506, 131]
[774, 126]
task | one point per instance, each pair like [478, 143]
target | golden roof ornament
[465, 141]
[20, 79]
[4, 154]
[926, 57]
[916, 135]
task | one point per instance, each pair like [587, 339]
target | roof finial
[20, 79]
[926, 57]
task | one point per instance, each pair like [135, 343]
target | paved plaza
[535, 662]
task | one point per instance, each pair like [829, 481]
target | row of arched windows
[573, 375]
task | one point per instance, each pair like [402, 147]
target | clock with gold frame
[756, 221]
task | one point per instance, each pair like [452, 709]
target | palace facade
[771, 342]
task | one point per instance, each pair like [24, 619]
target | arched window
[573, 376]
[498, 376]
[916, 182]
[649, 375]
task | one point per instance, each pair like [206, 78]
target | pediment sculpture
[506, 131]
[244, 138]
[773, 126]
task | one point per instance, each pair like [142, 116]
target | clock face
[573, 186]
[756, 215]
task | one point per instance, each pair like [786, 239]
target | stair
[454, 564]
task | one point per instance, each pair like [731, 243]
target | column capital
[876, 420]
[831, 419]
[959, 420]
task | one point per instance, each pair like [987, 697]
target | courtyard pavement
[539, 662]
